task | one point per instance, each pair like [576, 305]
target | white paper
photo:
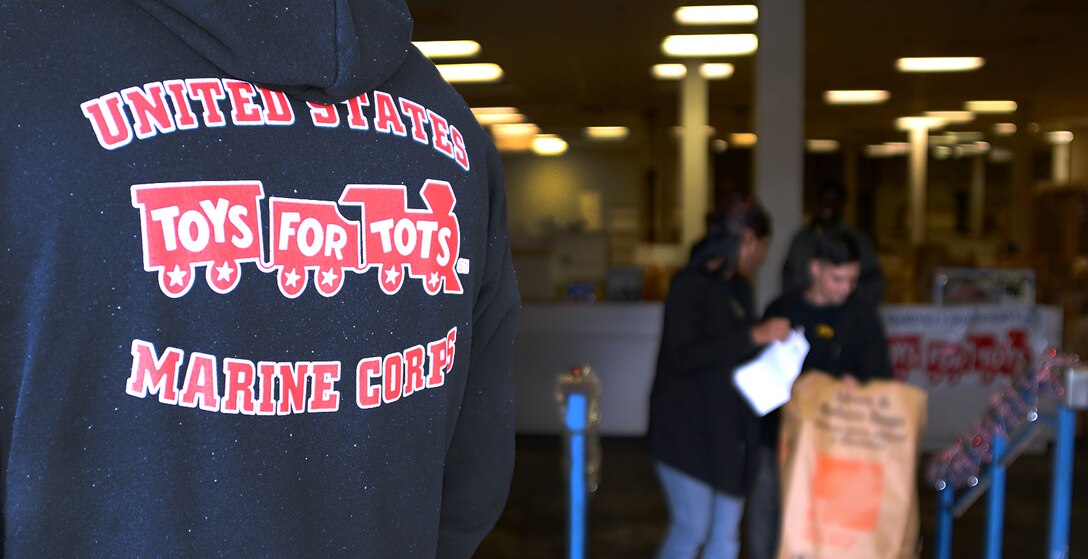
[766, 381]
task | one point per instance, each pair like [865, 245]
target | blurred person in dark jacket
[828, 219]
[700, 426]
[846, 340]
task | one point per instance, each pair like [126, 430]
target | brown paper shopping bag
[849, 457]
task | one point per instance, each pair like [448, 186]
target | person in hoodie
[256, 296]
[699, 424]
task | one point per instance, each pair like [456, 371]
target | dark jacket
[235, 323]
[860, 347]
[856, 345]
[699, 424]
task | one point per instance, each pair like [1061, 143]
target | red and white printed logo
[311, 235]
[218, 225]
[423, 244]
[189, 224]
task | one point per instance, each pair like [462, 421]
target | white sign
[961, 355]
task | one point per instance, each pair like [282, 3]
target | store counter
[960, 355]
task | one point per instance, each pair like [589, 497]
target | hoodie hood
[323, 52]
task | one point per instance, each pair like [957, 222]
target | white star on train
[177, 276]
[224, 272]
[292, 277]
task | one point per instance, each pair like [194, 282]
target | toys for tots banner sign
[961, 354]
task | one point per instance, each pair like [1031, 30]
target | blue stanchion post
[577, 408]
[1061, 495]
[945, 499]
[995, 514]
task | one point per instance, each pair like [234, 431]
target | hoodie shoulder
[323, 52]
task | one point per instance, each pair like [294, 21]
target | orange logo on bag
[846, 497]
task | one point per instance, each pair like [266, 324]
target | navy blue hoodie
[256, 297]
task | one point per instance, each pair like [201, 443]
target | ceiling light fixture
[991, 107]
[607, 132]
[1004, 129]
[940, 64]
[953, 138]
[470, 73]
[912, 122]
[888, 149]
[727, 44]
[497, 115]
[716, 70]
[856, 96]
[716, 15]
[952, 117]
[710, 71]
[743, 139]
[448, 49]
[669, 71]
[1059, 137]
[821, 146]
[678, 131]
[514, 137]
[549, 144]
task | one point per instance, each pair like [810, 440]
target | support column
[919, 148]
[694, 155]
[780, 117]
[1060, 157]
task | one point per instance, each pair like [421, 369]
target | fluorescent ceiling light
[1059, 137]
[714, 15]
[522, 129]
[1004, 129]
[728, 44]
[952, 117]
[709, 70]
[678, 131]
[912, 122]
[497, 115]
[494, 110]
[940, 64]
[607, 132]
[743, 139]
[549, 144]
[716, 70]
[821, 146]
[953, 138]
[968, 150]
[856, 96]
[889, 149]
[990, 107]
[470, 73]
[514, 137]
[669, 71]
[448, 49]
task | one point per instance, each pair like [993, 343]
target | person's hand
[772, 329]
